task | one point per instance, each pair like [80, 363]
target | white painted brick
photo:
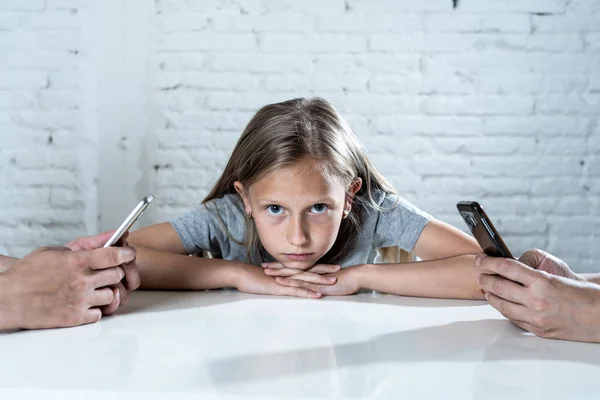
[181, 62]
[246, 101]
[260, 63]
[395, 83]
[65, 4]
[454, 165]
[43, 178]
[182, 99]
[550, 186]
[551, 125]
[38, 60]
[21, 80]
[47, 119]
[15, 40]
[592, 41]
[183, 6]
[587, 104]
[477, 105]
[10, 21]
[64, 198]
[510, 62]
[286, 82]
[6, 118]
[471, 23]
[203, 41]
[64, 79]
[553, 43]
[358, 23]
[333, 81]
[325, 43]
[419, 42]
[517, 6]
[180, 138]
[368, 6]
[181, 22]
[374, 63]
[379, 103]
[483, 146]
[64, 41]
[26, 160]
[562, 145]
[55, 20]
[564, 23]
[276, 23]
[531, 83]
[526, 166]
[59, 100]
[334, 7]
[209, 120]
[208, 80]
[593, 165]
[17, 99]
[520, 226]
[20, 5]
[430, 125]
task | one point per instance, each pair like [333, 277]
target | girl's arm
[447, 269]
[164, 264]
[446, 272]
[6, 262]
[441, 240]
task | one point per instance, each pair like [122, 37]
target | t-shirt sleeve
[399, 223]
[209, 226]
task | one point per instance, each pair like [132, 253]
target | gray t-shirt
[213, 225]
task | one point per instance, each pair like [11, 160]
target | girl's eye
[274, 209]
[319, 208]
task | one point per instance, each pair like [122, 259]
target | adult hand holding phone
[131, 280]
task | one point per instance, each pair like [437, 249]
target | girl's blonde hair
[281, 135]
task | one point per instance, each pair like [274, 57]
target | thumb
[533, 258]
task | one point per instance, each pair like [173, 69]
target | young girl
[300, 211]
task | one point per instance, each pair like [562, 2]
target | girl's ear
[354, 187]
[240, 189]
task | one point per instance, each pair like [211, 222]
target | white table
[223, 344]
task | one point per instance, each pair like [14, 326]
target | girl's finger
[314, 287]
[272, 265]
[324, 269]
[315, 278]
[282, 271]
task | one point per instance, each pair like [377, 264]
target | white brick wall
[497, 100]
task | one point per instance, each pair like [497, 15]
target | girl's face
[297, 212]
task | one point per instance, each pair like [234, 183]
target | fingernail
[264, 265]
[127, 253]
[478, 261]
[331, 279]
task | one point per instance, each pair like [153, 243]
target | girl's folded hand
[347, 283]
[313, 275]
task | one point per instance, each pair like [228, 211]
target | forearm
[6, 262]
[8, 315]
[592, 277]
[162, 270]
[452, 277]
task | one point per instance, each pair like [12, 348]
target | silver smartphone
[130, 220]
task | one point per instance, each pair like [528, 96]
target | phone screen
[130, 220]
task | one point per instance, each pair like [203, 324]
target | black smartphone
[482, 229]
